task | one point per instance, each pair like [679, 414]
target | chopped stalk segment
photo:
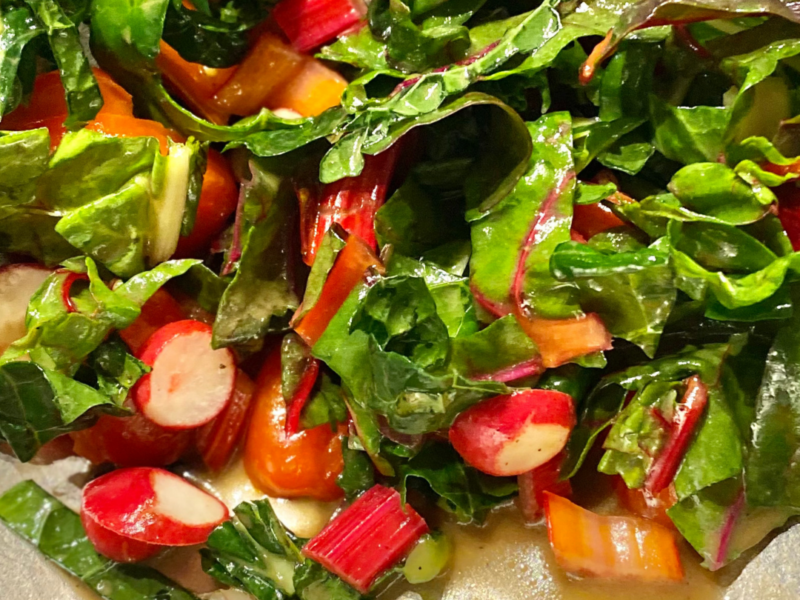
[589, 544]
[684, 423]
[561, 340]
[641, 503]
[534, 484]
[310, 23]
[370, 536]
[66, 289]
[267, 68]
[347, 272]
[315, 89]
[217, 440]
[301, 396]
[351, 202]
[193, 82]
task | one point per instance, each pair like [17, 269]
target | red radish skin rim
[152, 506]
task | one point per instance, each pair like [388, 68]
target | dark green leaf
[56, 531]
[80, 87]
[358, 474]
[462, 490]
[633, 292]
[37, 405]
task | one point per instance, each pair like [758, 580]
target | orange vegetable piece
[122, 126]
[268, 67]
[289, 466]
[348, 270]
[218, 200]
[560, 340]
[641, 503]
[47, 101]
[612, 547]
[193, 82]
[314, 90]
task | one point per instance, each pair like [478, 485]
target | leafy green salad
[409, 260]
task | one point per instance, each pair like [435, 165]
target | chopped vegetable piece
[640, 502]
[315, 89]
[190, 383]
[310, 23]
[561, 340]
[789, 212]
[301, 396]
[512, 434]
[591, 219]
[598, 53]
[124, 126]
[589, 544]
[370, 536]
[193, 82]
[217, 440]
[148, 506]
[533, 485]
[267, 68]
[351, 202]
[130, 442]
[428, 558]
[686, 418]
[47, 101]
[161, 309]
[218, 199]
[289, 466]
[348, 271]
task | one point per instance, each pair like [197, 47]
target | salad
[410, 261]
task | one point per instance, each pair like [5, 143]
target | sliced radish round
[190, 382]
[17, 284]
[512, 434]
[143, 505]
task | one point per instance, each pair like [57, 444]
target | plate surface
[503, 569]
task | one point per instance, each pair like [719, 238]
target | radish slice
[17, 284]
[142, 505]
[515, 433]
[190, 382]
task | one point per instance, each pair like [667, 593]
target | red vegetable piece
[217, 440]
[687, 415]
[130, 442]
[591, 219]
[641, 503]
[533, 485]
[789, 211]
[190, 383]
[512, 434]
[370, 536]
[150, 506]
[351, 202]
[301, 396]
[310, 23]
[66, 288]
